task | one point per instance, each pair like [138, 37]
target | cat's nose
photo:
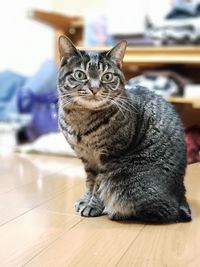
[94, 90]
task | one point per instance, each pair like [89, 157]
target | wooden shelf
[158, 55]
[136, 60]
[195, 102]
[154, 55]
[56, 20]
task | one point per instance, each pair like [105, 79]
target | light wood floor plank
[64, 203]
[18, 170]
[30, 185]
[29, 234]
[93, 242]
[32, 195]
[174, 245]
[54, 164]
[14, 172]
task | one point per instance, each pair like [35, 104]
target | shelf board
[195, 102]
[153, 55]
[157, 55]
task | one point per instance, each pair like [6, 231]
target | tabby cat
[130, 141]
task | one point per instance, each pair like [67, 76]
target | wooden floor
[39, 226]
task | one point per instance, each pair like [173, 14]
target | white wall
[24, 43]
[125, 16]
[78, 7]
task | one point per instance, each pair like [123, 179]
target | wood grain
[39, 226]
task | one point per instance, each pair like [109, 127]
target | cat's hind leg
[161, 209]
[117, 208]
[184, 212]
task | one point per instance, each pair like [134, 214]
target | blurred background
[163, 55]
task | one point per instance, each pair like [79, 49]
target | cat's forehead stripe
[94, 57]
[93, 60]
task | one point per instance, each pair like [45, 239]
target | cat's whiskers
[127, 102]
[108, 97]
[126, 106]
[64, 95]
[121, 104]
[123, 101]
[119, 107]
[65, 104]
[64, 100]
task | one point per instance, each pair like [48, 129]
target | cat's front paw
[81, 203]
[89, 211]
[89, 206]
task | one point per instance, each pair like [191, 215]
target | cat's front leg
[93, 208]
[83, 201]
[90, 205]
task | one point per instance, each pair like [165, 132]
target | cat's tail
[184, 212]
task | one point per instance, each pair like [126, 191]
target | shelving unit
[137, 59]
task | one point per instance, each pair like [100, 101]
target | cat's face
[90, 80]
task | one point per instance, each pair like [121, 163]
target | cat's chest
[85, 147]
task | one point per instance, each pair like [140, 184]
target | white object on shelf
[192, 90]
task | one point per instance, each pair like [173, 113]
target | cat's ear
[66, 48]
[117, 52]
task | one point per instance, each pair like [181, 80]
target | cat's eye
[107, 77]
[80, 75]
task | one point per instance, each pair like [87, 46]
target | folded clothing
[165, 83]
[10, 82]
[184, 9]
[41, 83]
[175, 31]
[38, 98]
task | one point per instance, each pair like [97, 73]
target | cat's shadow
[135, 221]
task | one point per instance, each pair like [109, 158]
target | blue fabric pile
[10, 83]
[35, 96]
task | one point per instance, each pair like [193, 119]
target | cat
[131, 142]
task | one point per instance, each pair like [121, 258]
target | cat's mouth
[92, 97]
[92, 101]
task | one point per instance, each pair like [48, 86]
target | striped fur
[130, 142]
